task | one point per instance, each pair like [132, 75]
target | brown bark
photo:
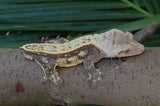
[142, 34]
[126, 81]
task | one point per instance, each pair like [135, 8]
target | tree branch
[126, 81]
[145, 32]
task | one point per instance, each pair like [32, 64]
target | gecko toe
[43, 80]
[88, 78]
[97, 75]
[59, 82]
[96, 82]
[93, 84]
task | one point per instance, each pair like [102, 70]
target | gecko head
[125, 45]
[129, 46]
[116, 43]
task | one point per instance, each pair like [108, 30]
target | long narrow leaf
[135, 25]
[156, 6]
[148, 6]
[89, 5]
[137, 8]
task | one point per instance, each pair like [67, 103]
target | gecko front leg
[94, 74]
[49, 68]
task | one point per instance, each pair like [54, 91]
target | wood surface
[126, 82]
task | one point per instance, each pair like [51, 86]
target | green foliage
[37, 18]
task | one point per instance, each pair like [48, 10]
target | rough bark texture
[126, 81]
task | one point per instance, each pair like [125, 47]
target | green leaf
[148, 5]
[37, 18]
[135, 25]
[138, 8]
[156, 6]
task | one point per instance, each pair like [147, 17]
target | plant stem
[137, 8]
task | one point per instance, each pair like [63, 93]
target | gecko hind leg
[48, 66]
[94, 75]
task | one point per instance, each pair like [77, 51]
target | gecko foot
[55, 77]
[95, 78]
